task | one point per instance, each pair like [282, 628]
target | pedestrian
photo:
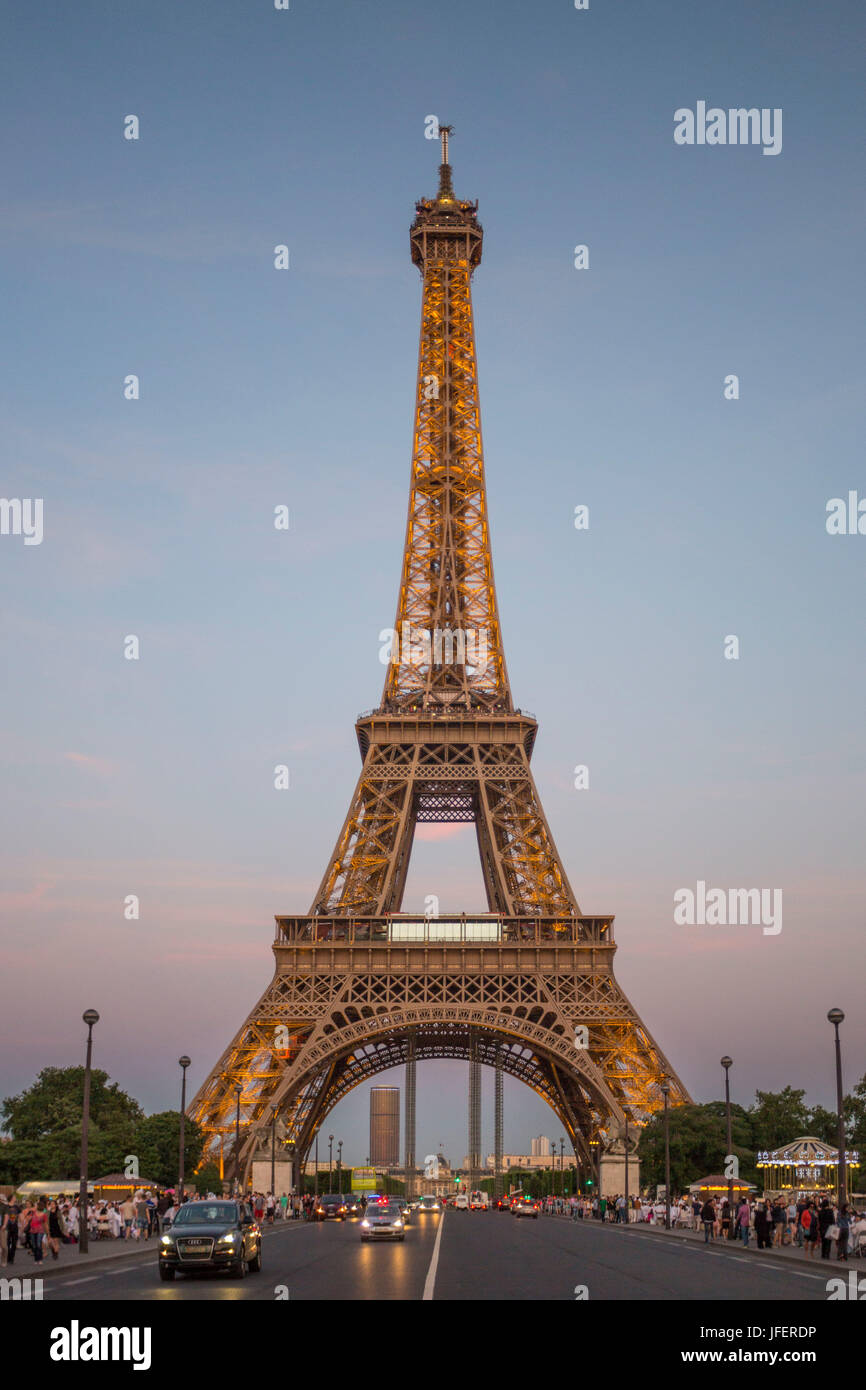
[743, 1218]
[825, 1221]
[36, 1231]
[726, 1220]
[844, 1225]
[708, 1217]
[71, 1220]
[55, 1230]
[809, 1229]
[4, 1237]
[762, 1226]
[791, 1218]
[127, 1211]
[12, 1217]
[142, 1217]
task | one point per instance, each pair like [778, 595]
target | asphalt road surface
[466, 1256]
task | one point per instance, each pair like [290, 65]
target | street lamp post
[90, 1017]
[292, 1149]
[625, 1194]
[561, 1167]
[340, 1167]
[183, 1063]
[836, 1016]
[316, 1161]
[273, 1150]
[238, 1094]
[666, 1090]
[330, 1162]
[727, 1063]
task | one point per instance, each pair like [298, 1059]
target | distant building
[541, 1147]
[385, 1126]
[529, 1161]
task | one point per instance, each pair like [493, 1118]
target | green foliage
[698, 1145]
[207, 1178]
[855, 1118]
[697, 1134]
[157, 1146]
[778, 1118]
[45, 1126]
[823, 1124]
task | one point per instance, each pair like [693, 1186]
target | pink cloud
[101, 766]
[441, 832]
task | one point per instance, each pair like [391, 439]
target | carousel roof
[808, 1150]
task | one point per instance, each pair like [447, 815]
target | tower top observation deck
[445, 228]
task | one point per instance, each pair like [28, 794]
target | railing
[441, 712]
[401, 929]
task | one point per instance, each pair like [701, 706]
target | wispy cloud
[102, 767]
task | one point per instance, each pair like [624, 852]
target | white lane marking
[89, 1280]
[430, 1281]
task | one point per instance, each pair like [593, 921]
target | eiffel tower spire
[448, 646]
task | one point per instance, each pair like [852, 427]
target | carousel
[805, 1168]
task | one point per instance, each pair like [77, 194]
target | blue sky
[602, 387]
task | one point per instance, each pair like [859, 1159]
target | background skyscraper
[385, 1126]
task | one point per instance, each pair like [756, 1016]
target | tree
[778, 1117]
[207, 1178]
[823, 1124]
[854, 1109]
[698, 1144]
[45, 1126]
[157, 1147]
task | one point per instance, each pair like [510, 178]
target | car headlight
[397, 1223]
[365, 1222]
[166, 1241]
[228, 1239]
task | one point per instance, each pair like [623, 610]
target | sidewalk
[100, 1254]
[788, 1254]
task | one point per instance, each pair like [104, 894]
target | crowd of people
[807, 1223]
[41, 1228]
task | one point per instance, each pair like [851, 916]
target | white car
[461, 1202]
[526, 1208]
[383, 1222]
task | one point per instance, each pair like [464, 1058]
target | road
[479, 1256]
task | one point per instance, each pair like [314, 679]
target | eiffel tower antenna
[360, 986]
[446, 191]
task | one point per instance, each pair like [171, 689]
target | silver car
[524, 1209]
[383, 1223]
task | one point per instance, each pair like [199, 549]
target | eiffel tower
[527, 987]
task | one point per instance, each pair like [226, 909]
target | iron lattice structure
[359, 987]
